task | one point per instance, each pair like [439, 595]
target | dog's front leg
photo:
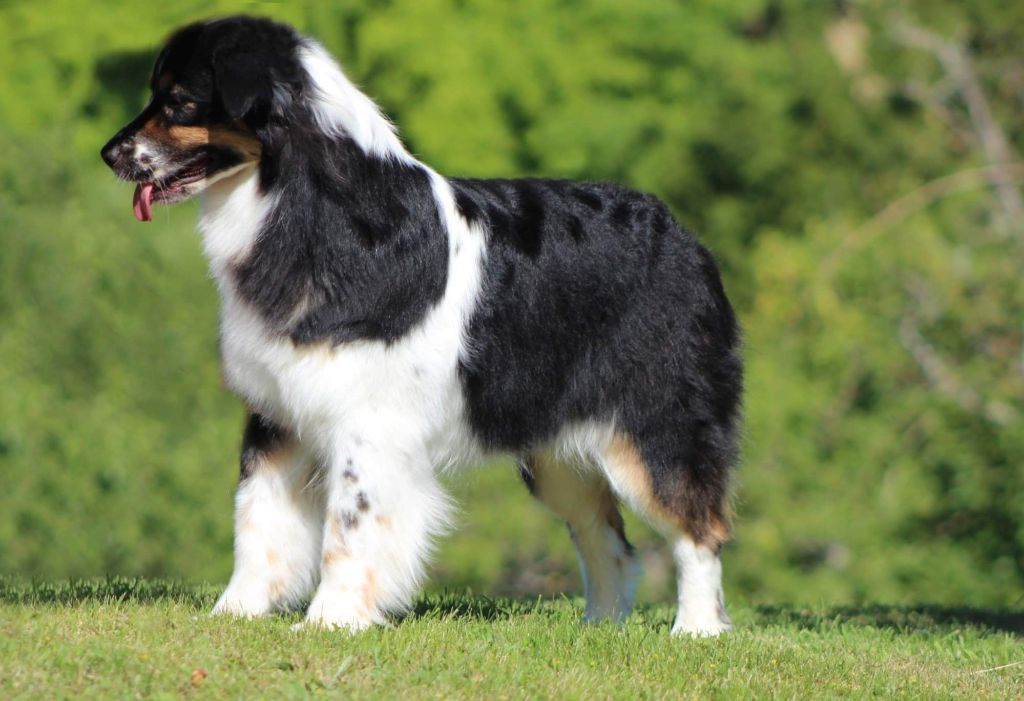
[278, 521]
[383, 506]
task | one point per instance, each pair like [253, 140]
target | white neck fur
[341, 108]
[232, 212]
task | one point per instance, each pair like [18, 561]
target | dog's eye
[181, 109]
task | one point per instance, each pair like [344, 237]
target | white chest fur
[317, 390]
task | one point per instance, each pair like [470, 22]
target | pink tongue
[143, 202]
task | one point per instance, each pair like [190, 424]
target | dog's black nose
[116, 149]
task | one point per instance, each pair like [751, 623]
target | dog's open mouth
[170, 190]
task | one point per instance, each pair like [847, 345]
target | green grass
[125, 638]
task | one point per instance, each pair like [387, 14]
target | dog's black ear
[244, 83]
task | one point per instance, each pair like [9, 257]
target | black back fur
[596, 305]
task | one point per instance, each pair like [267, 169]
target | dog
[383, 323]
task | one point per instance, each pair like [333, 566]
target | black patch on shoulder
[261, 439]
[355, 249]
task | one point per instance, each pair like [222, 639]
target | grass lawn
[135, 638]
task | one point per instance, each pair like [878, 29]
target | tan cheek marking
[384, 522]
[179, 137]
[153, 131]
[272, 557]
[244, 143]
[188, 137]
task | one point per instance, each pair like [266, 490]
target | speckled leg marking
[383, 507]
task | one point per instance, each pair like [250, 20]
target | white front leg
[278, 525]
[383, 507]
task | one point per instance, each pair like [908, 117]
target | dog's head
[218, 89]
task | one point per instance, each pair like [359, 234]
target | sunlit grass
[128, 637]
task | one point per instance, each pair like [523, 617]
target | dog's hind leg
[689, 507]
[580, 495]
[278, 523]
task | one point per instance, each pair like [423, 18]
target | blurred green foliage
[831, 158]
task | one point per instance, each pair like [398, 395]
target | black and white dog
[384, 323]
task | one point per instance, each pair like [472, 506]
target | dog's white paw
[338, 613]
[234, 603]
[344, 625]
[707, 626]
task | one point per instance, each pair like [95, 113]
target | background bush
[854, 166]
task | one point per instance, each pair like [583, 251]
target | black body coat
[596, 305]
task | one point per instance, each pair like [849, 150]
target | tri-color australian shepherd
[384, 323]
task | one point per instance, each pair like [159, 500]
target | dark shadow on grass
[110, 590]
[921, 618]
[453, 605]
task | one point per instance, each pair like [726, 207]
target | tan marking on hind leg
[632, 479]
[581, 496]
[696, 539]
